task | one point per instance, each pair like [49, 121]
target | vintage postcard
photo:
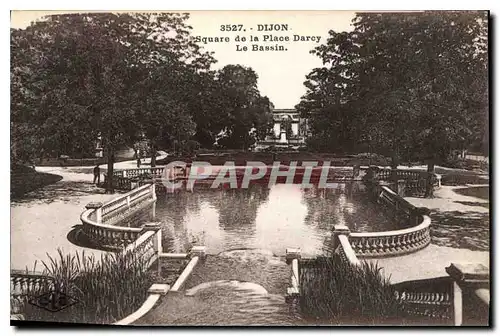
[250, 168]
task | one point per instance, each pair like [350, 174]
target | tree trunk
[111, 158]
[429, 187]
[394, 161]
[153, 155]
[394, 168]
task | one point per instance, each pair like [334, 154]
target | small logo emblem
[53, 301]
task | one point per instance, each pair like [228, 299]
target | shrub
[337, 292]
[107, 290]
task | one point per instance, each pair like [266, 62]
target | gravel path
[42, 220]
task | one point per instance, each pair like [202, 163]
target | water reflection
[276, 218]
[238, 208]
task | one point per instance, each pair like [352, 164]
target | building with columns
[289, 130]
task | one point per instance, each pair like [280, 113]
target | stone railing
[391, 243]
[415, 235]
[462, 298]
[156, 291]
[24, 285]
[100, 220]
[135, 172]
[405, 182]
[427, 298]
[148, 246]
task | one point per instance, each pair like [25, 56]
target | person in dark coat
[97, 174]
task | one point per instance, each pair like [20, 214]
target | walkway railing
[427, 298]
[405, 181]
[100, 220]
[406, 174]
[414, 236]
[135, 172]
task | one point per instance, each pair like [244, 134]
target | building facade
[289, 130]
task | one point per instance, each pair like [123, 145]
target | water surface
[276, 218]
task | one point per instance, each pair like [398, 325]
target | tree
[412, 85]
[81, 80]
[169, 68]
[249, 114]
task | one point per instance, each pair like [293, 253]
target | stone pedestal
[337, 231]
[292, 253]
[98, 210]
[200, 251]
[470, 291]
[161, 289]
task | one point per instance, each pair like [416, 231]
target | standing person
[97, 174]
[138, 162]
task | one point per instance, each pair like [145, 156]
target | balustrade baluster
[410, 240]
[398, 243]
[392, 245]
[380, 245]
[403, 242]
[367, 247]
[359, 246]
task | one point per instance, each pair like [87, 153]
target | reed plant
[335, 291]
[105, 290]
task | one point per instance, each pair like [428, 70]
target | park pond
[261, 217]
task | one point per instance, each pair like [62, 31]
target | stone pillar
[355, 171]
[292, 253]
[153, 210]
[293, 257]
[199, 251]
[401, 188]
[98, 210]
[161, 289]
[153, 189]
[337, 231]
[153, 226]
[157, 244]
[467, 280]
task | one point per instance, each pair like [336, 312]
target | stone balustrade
[135, 172]
[100, 220]
[23, 282]
[147, 247]
[427, 298]
[415, 235]
[409, 182]
[391, 243]
[24, 285]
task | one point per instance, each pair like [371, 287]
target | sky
[281, 73]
